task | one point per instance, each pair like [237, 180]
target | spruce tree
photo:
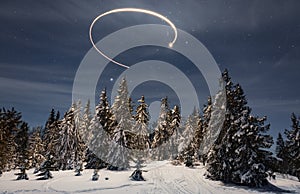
[47, 133]
[162, 132]
[141, 126]
[174, 140]
[86, 122]
[283, 155]
[214, 114]
[46, 168]
[3, 143]
[22, 158]
[70, 144]
[51, 135]
[293, 146]
[10, 122]
[187, 146]
[79, 143]
[119, 153]
[207, 109]
[105, 114]
[85, 128]
[142, 143]
[101, 128]
[36, 149]
[239, 154]
[66, 141]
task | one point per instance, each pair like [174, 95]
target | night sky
[43, 42]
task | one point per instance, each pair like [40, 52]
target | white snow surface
[161, 177]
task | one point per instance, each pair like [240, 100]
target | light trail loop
[129, 10]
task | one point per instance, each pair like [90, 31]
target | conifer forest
[119, 137]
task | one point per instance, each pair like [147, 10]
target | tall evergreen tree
[119, 153]
[214, 114]
[206, 133]
[174, 140]
[66, 140]
[86, 122]
[11, 122]
[293, 146]
[3, 142]
[22, 157]
[239, 154]
[162, 132]
[47, 131]
[70, 144]
[105, 114]
[283, 154]
[79, 143]
[36, 149]
[102, 127]
[141, 126]
[189, 144]
[142, 143]
[51, 135]
[85, 128]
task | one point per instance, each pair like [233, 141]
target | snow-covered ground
[162, 177]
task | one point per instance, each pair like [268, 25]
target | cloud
[31, 92]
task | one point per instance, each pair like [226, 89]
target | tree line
[115, 135]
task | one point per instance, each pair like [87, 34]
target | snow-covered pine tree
[70, 144]
[162, 132]
[47, 130]
[187, 146]
[293, 146]
[122, 107]
[213, 118]
[36, 149]
[239, 154]
[51, 135]
[3, 142]
[218, 158]
[142, 143]
[22, 158]
[99, 143]
[11, 121]
[119, 153]
[282, 154]
[141, 126]
[85, 128]
[252, 161]
[46, 168]
[197, 136]
[105, 114]
[86, 122]
[79, 144]
[175, 138]
[207, 109]
[65, 146]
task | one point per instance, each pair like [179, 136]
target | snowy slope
[162, 177]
